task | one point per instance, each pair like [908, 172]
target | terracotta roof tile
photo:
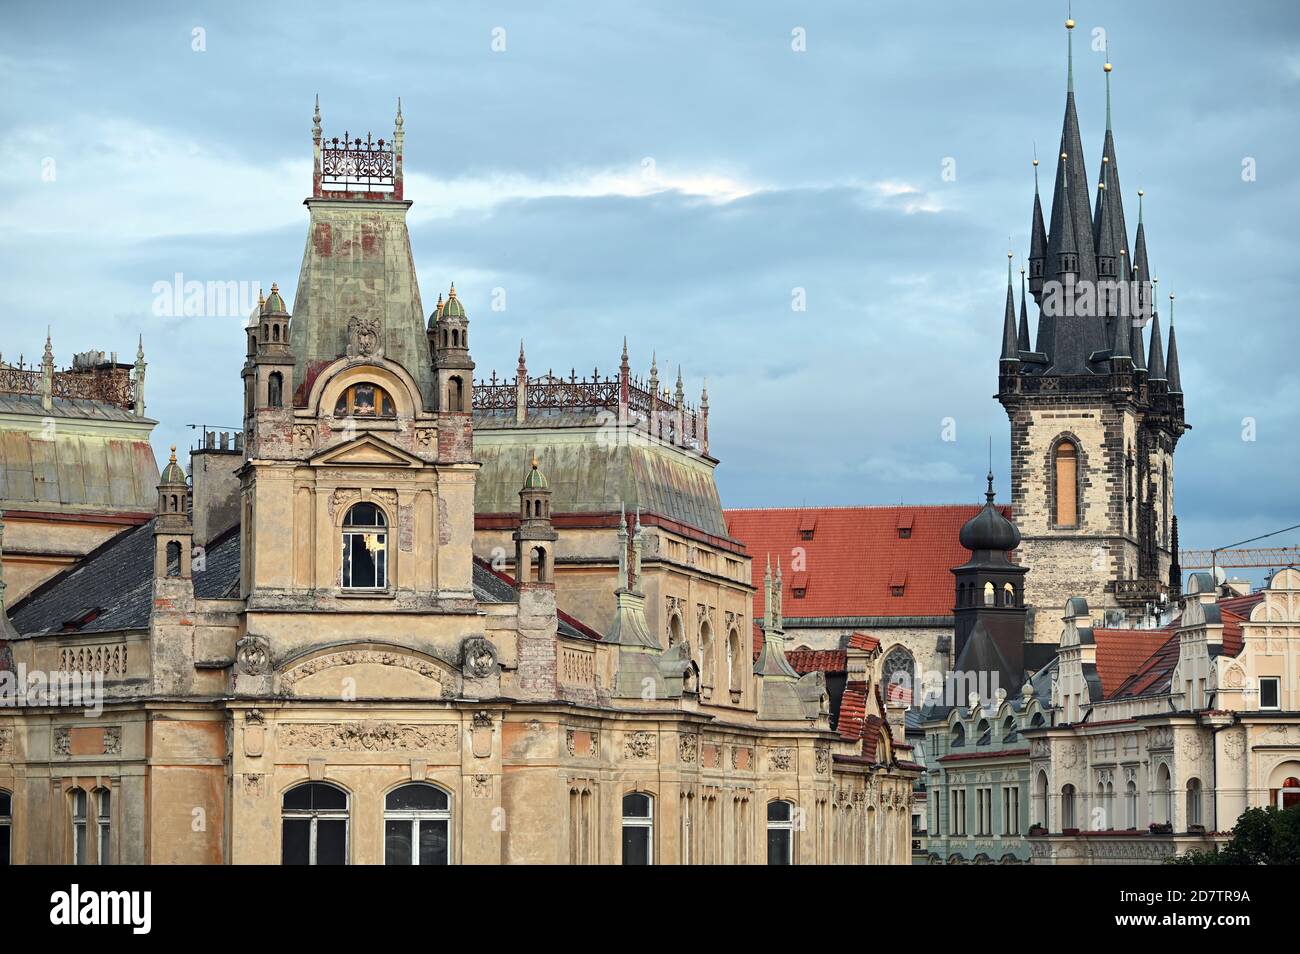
[817, 660]
[855, 554]
[1121, 651]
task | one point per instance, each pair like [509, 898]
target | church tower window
[1066, 474]
[364, 400]
[365, 548]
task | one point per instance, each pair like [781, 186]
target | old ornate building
[75, 463]
[333, 676]
[1096, 411]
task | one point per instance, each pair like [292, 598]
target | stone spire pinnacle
[1037, 242]
[1010, 343]
[1171, 366]
[1022, 336]
[1156, 356]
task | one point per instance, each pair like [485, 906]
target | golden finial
[1141, 193]
[1035, 163]
[1107, 67]
[1101, 185]
[275, 289]
[173, 460]
[452, 294]
[1065, 155]
[534, 460]
[1105, 159]
[1069, 24]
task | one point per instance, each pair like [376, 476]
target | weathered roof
[589, 475]
[856, 555]
[112, 588]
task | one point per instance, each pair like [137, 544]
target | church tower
[1095, 415]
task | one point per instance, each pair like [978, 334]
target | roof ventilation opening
[807, 526]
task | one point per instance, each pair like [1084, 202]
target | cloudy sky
[673, 172]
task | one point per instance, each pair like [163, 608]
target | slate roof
[856, 553]
[112, 588]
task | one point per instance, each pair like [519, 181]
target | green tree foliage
[1262, 836]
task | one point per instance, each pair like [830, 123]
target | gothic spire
[1175, 380]
[1010, 346]
[1111, 197]
[1037, 244]
[1022, 338]
[1156, 357]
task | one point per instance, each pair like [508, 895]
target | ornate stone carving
[1234, 678]
[63, 742]
[780, 759]
[478, 658]
[254, 785]
[304, 437]
[253, 655]
[1162, 737]
[341, 499]
[363, 337]
[254, 717]
[1193, 746]
[742, 757]
[368, 736]
[375, 657]
[639, 745]
[482, 719]
[822, 759]
[113, 740]
[6, 741]
[424, 437]
[1234, 746]
[386, 497]
[687, 744]
[482, 786]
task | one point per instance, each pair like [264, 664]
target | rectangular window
[958, 820]
[1010, 810]
[1270, 692]
[984, 811]
[79, 854]
[103, 825]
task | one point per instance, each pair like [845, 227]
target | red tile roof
[854, 556]
[1121, 651]
[853, 711]
[817, 660]
[1236, 611]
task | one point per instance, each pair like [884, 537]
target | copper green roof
[172, 473]
[452, 308]
[275, 304]
[535, 480]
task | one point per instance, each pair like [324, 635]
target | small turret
[536, 536]
[451, 360]
[173, 532]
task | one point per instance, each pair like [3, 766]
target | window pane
[778, 811]
[328, 798]
[636, 845]
[417, 798]
[433, 842]
[79, 833]
[359, 562]
[295, 843]
[397, 842]
[79, 804]
[636, 806]
[4, 845]
[105, 857]
[103, 804]
[363, 400]
[331, 842]
[778, 846]
[298, 798]
[5, 803]
[341, 408]
[1268, 693]
[365, 515]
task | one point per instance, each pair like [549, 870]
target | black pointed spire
[1010, 348]
[1111, 198]
[1037, 244]
[1171, 367]
[1156, 357]
[1022, 336]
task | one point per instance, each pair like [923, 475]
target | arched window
[1008, 595]
[275, 389]
[103, 826]
[1131, 805]
[1040, 797]
[455, 394]
[417, 826]
[539, 565]
[6, 823]
[1164, 794]
[780, 833]
[958, 737]
[173, 558]
[674, 630]
[1193, 802]
[983, 733]
[364, 400]
[1067, 807]
[988, 594]
[314, 825]
[1289, 794]
[1066, 470]
[638, 828]
[706, 653]
[80, 847]
[1009, 729]
[898, 676]
[735, 655]
[365, 548]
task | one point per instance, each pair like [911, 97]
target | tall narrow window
[417, 822]
[988, 594]
[706, 653]
[1067, 807]
[1010, 810]
[638, 829]
[80, 854]
[365, 548]
[103, 826]
[1193, 802]
[6, 826]
[275, 389]
[1164, 505]
[780, 833]
[1041, 798]
[1067, 485]
[1131, 805]
[1164, 794]
[734, 656]
[314, 825]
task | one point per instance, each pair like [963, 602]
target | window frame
[781, 825]
[348, 532]
[1011, 810]
[1276, 683]
[7, 824]
[646, 822]
[313, 815]
[80, 831]
[103, 825]
[347, 397]
[1074, 454]
[417, 815]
